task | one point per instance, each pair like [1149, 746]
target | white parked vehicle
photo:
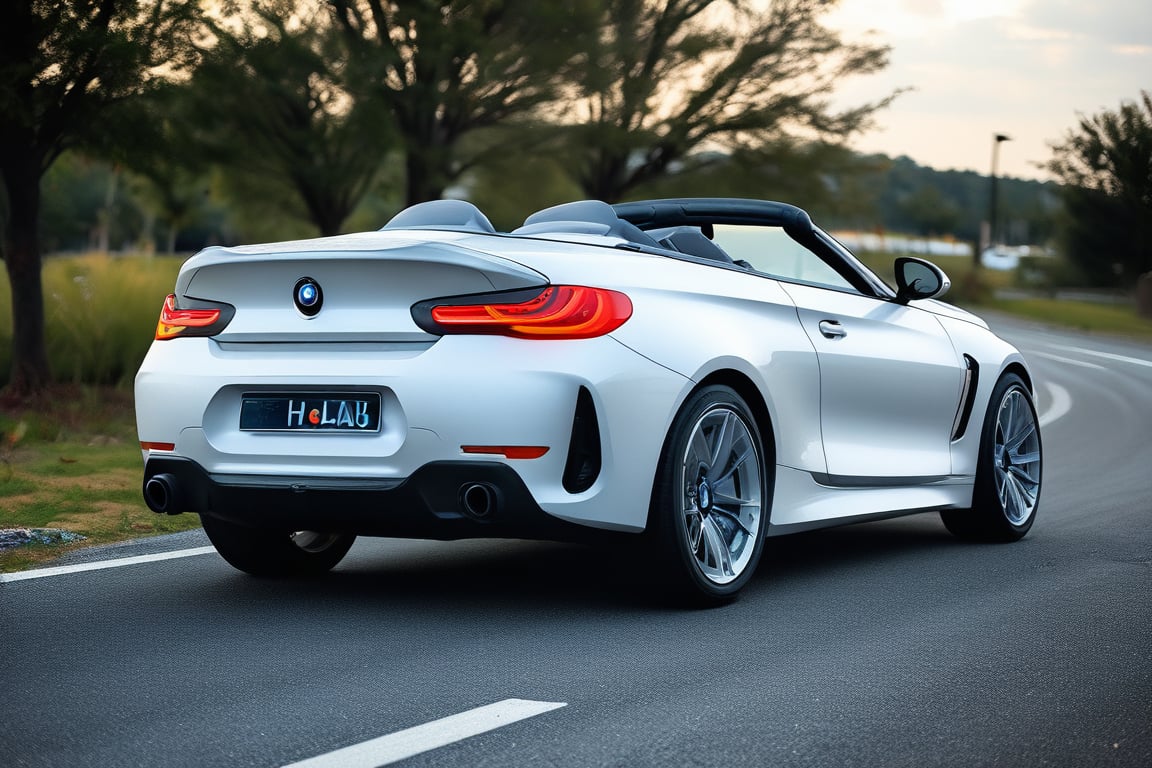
[696, 374]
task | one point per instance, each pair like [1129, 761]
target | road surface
[881, 644]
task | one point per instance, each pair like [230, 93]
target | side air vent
[583, 465]
[967, 397]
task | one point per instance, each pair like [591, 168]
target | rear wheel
[709, 505]
[263, 552]
[1008, 472]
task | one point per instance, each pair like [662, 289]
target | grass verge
[1079, 315]
[70, 460]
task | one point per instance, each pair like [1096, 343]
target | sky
[976, 68]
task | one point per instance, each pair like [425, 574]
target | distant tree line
[87, 202]
[912, 199]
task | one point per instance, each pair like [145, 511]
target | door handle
[831, 329]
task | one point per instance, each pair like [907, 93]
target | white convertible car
[697, 374]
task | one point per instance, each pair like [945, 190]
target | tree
[65, 65]
[446, 69]
[670, 77]
[1105, 164]
[823, 177]
[270, 100]
[173, 193]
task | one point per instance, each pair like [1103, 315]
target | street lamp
[996, 139]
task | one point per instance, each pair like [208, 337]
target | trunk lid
[369, 282]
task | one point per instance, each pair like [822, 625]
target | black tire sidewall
[986, 506]
[271, 553]
[671, 538]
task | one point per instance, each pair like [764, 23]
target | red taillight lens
[195, 321]
[557, 312]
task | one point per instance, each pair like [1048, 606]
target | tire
[272, 553]
[1008, 471]
[711, 498]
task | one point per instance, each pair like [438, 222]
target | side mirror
[919, 279]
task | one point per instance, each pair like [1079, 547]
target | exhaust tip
[479, 501]
[160, 494]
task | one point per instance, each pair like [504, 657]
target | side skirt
[805, 500]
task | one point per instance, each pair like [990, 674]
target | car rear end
[387, 383]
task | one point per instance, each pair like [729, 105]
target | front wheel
[1008, 471]
[710, 501]
[263, 552]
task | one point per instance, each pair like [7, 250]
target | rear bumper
[429, 504]
[460, 391]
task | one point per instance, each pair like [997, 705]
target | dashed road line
[422, 738]
[100, 565]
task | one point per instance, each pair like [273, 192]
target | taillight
[555, 312]
[199, 318]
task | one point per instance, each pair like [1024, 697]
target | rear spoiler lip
[503, 273]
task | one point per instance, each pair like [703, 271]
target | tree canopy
[1105, 164]
[667, 78]
[270, 99]
[446, 69]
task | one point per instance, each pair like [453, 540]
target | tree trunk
[30, 373]
[423, 181]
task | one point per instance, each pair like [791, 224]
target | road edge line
[100, 565]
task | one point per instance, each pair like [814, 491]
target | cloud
[1026, 68]
[1113, 23]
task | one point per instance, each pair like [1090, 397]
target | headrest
[576, 216]
[442, 214]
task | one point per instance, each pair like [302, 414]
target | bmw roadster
[697, 374]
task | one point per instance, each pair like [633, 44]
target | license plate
[310, 412]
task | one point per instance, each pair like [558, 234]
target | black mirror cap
[919, 279]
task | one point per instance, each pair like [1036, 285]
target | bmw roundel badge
[308, 296]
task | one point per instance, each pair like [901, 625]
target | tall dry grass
[100, 315]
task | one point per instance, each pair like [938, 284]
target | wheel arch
[743, 386]
[1018, 368]
[750, 393]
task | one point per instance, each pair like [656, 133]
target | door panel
[890, 384]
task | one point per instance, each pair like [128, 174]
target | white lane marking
[1059, 403]
[422, 738]
[60, 570]
[1105, 355]
[1067, 360]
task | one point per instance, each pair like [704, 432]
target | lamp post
[996, 139]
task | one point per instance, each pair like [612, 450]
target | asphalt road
[887, 644]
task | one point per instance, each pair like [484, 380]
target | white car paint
[860, 419]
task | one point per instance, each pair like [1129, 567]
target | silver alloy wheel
[313, 541]
[1016, 457]
[721, 501]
